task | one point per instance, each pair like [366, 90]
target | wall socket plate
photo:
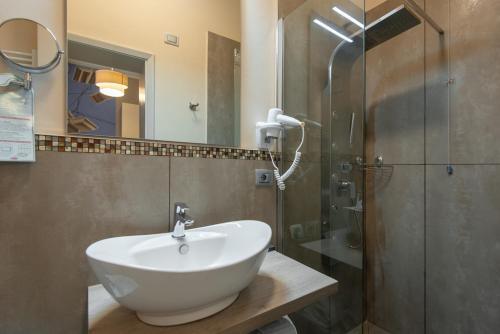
[264, 177]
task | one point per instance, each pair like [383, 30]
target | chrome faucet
[181, 220]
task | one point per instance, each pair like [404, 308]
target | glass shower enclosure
[372, 84]
[322, 208]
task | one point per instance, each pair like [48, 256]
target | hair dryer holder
[266, 132]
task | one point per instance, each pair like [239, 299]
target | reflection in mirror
[181, 60]
[105, 92]
[28, 46]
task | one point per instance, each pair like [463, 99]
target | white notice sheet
[17, 140]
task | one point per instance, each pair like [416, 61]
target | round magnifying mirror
[28, 46]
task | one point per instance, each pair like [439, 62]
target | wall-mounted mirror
[28, 46]
[164, 70]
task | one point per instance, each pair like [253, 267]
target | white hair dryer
[271, 130]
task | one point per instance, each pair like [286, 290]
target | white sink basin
[169, 281]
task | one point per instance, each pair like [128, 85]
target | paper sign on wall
[17, 139]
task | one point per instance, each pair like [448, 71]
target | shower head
[388, 20]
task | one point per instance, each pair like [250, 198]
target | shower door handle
[351, 129]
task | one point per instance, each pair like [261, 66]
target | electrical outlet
[264, 177]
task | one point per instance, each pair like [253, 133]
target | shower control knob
[344, 185]
[345, 167]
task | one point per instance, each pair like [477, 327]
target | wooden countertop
[282, 286]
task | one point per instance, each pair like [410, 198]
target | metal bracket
[27, 81]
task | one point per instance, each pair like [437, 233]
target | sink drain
[183, 249]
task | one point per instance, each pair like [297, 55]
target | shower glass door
[322, 206]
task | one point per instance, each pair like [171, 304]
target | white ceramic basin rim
[171, 281]
[212, 247]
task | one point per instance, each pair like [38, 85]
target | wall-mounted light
[111, 83]
[333, 31]
[349, 17]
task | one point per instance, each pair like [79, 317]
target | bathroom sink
[171, 281]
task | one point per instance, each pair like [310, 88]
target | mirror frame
[34, 70]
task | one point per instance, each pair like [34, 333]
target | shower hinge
[451, 81]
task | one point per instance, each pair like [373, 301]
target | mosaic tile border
[146, 148]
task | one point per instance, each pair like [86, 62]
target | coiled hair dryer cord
[280, 179]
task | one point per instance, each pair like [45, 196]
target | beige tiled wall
[430, 234]
[50, 211]
[220, 190]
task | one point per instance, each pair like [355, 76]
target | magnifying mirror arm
[9, 79]
[27, 81]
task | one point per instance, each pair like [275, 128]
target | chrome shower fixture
[392, 18]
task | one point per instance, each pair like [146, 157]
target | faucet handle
[181, 208]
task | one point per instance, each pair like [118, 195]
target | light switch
[172, 39]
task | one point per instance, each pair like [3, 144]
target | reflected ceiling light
[111, 83]
[333, 31]
[349, 17]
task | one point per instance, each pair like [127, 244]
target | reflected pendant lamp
[111, 83]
